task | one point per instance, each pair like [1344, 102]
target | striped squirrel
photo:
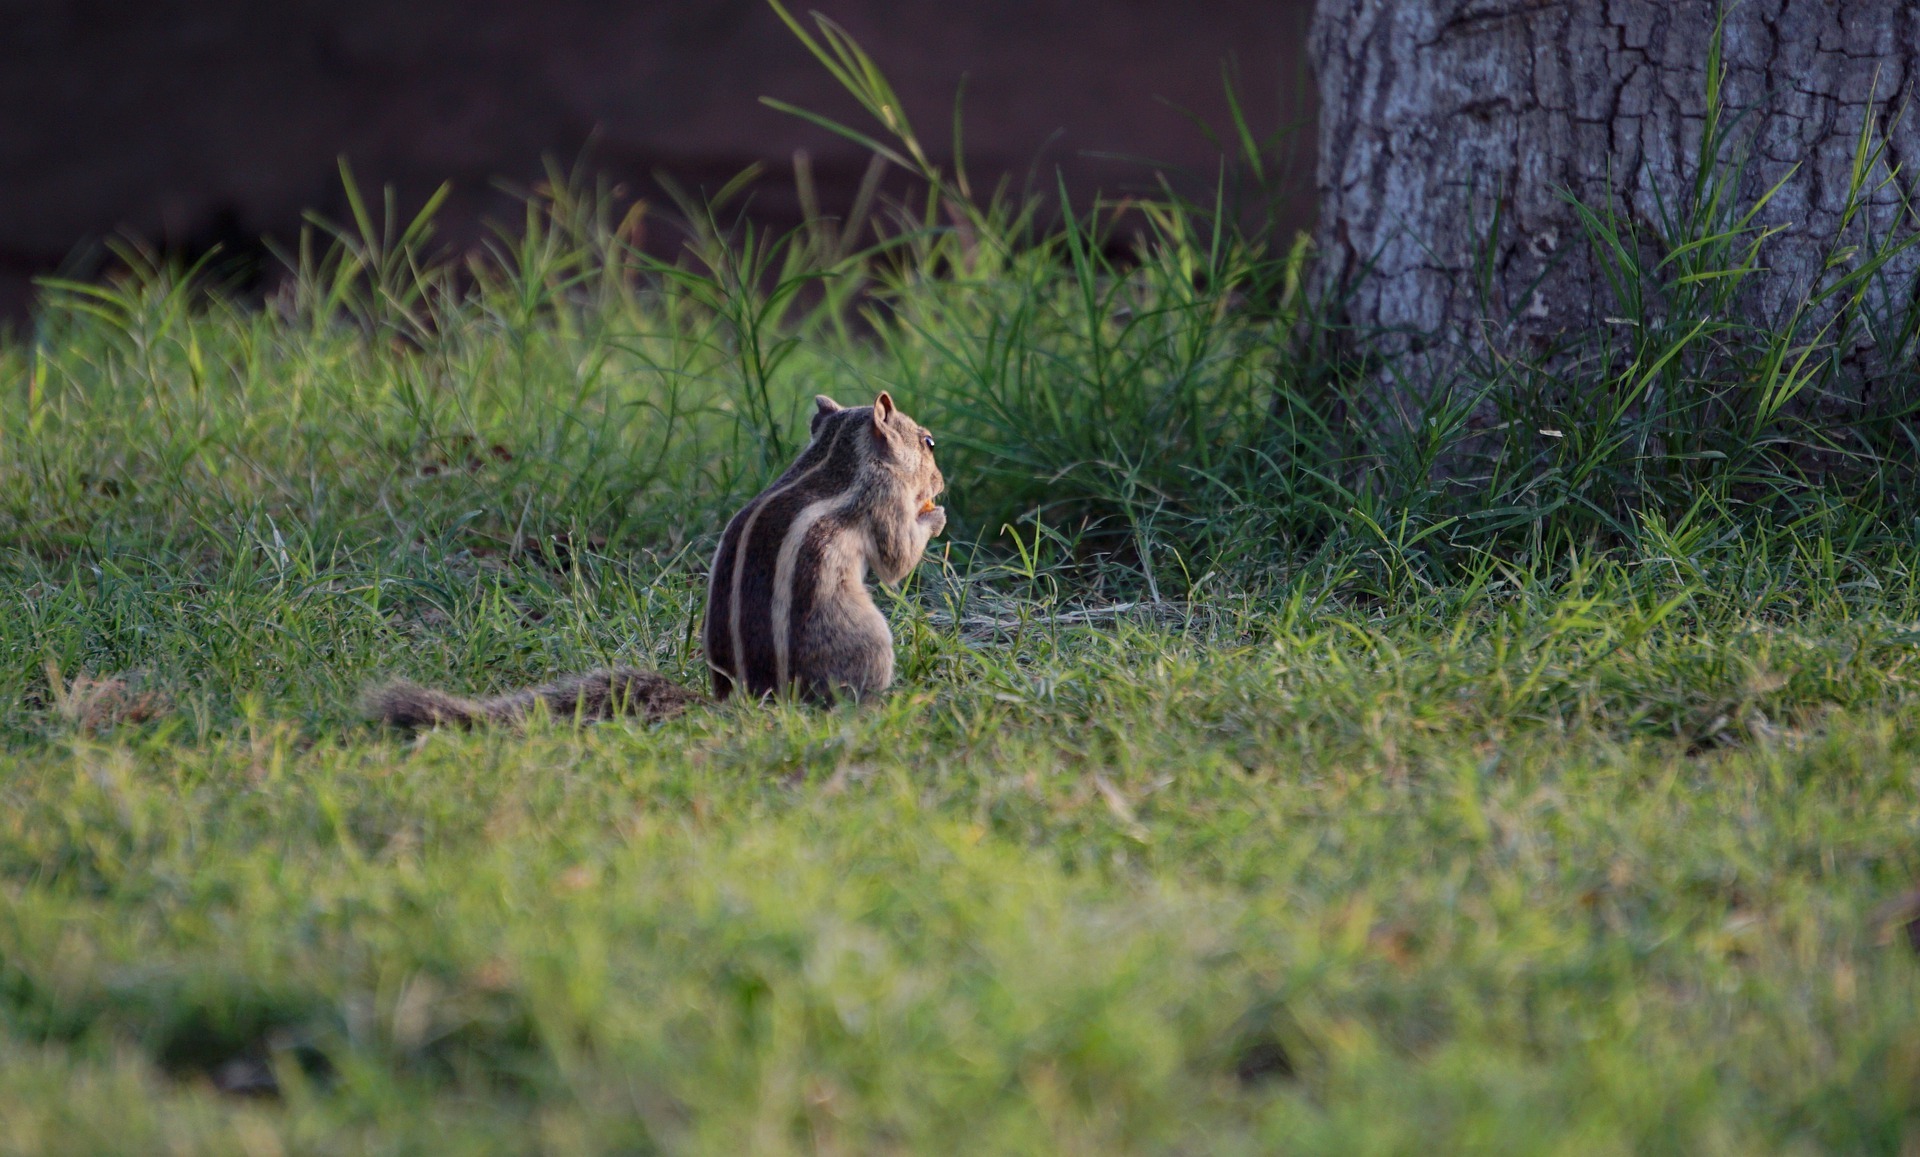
[787, 602]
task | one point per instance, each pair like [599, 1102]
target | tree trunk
[1444, 123]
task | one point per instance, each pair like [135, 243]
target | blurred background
[194, 123]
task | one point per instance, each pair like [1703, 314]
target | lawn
[1559, 870]
[1254, 781]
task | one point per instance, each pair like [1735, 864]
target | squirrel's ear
[882, 407]
[823, 406]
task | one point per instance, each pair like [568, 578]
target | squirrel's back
[787, 604]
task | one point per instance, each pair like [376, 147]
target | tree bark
[1440, 117]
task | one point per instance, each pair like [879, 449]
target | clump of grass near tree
[1263, 775]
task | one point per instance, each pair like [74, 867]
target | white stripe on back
[782, 611]
[740, 561]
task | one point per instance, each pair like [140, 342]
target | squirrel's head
[898, 448]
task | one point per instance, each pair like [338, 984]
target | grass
[1262, 775]
[1571, 868]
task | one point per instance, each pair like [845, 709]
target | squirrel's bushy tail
[588, 697]
[412, 707]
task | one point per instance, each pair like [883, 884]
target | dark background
[191, 122]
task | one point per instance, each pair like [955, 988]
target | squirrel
[788, 609]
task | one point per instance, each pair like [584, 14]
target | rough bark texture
[1435, 113]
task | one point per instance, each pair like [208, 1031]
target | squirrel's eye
[928, 439]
